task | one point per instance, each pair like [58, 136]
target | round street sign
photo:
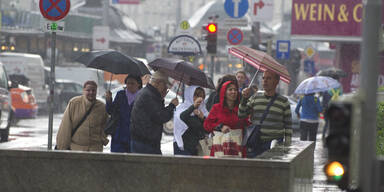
[54, 10]
[184, 25]
[235, 36]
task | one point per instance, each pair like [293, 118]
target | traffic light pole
[212, 67]
[369, 69]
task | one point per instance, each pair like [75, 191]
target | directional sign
[184, 45]
[235, 36]
[283, 49]
[236, 8]
[100, 37]
[54, 10]
[262, 10]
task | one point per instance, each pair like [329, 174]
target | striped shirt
[278, 122]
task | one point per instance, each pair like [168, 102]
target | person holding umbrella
[123, 103]
[277, 123]
[149, 114]
[309, 116]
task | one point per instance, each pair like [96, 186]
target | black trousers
[308, 131]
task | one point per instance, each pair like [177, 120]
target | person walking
[277, 124]
[123, 104]
[82, 125]
[149, 114]
[309, 116]
[188, 122]
[223, 116]
[242, 79]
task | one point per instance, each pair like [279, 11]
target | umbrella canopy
[261, 60]
[316, 84]
[114, 62]
[332, 72]
[182, 71]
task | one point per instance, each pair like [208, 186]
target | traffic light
[211, 37]
[342, 142]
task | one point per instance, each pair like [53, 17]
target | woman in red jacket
[223, 115]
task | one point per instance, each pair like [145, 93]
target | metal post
[370, 68]
[51, 89]
[212, 67]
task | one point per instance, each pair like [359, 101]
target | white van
[31, 66]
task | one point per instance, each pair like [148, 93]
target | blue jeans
[139, 147]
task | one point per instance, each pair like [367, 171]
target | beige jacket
[90, 135]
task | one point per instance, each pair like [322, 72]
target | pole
[51, 89]
[212, 67]
[370, 68]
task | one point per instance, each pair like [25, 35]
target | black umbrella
[114, 62]
[332, 72]
[182, 71]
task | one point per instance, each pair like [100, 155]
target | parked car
[24, 104]
[64, 91]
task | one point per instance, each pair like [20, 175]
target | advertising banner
[327, 17]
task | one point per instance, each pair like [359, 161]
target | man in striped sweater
[277, 124]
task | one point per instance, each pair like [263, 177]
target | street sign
[53, 27]
[262, 10]
[309, 51]
[309, 67]
[54, 10]
[184, 25]
[100, 37]
[184, 45]
[229, 23]
[283, 49]
[236, 8]
[235, 36]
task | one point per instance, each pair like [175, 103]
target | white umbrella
[316, 84]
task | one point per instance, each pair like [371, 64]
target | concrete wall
[78, 171]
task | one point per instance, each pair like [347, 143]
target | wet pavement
[319, 178]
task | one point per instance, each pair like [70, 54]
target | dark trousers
[261, 148]
[139, 147]
[178, 151]
[120, 147]
[308, 131]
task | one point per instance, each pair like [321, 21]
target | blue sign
[283, 49]
[235, 36]
[54, 10]
[309, 67]
[236, 8]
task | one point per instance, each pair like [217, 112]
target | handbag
[204, 147]
[252, 133]
[227, 144]
[112, 122]
[81, 122]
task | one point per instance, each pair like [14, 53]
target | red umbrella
[260, 60]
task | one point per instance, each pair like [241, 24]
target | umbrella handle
[253, 78]
[110, 80]
[178, 87]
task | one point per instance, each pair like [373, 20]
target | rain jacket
[221, 114]
[90, 135]
[148, 116]
[122, 137]
[310, 108]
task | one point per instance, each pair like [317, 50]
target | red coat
[222, 114]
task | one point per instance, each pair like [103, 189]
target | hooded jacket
[221, 114]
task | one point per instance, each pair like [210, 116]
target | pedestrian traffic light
[211, 37]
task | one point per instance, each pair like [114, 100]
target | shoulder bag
[252, 133]
[81, 122]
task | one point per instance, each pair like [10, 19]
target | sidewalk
[319, 178]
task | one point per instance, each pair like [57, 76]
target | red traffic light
[211, 27]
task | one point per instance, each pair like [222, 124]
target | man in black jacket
[149, 114]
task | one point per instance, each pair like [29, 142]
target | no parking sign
[54, 10]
